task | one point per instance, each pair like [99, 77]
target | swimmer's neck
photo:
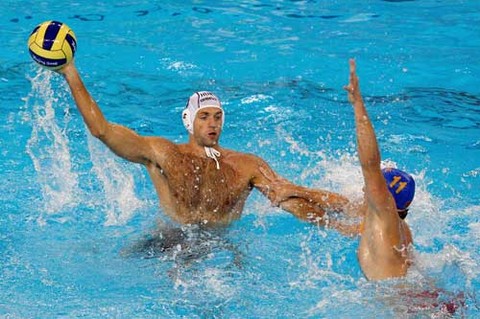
[198, 149]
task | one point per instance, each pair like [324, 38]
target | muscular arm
[304, 203]
[377, 195]
[121, 140]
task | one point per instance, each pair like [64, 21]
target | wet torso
[381, 254]
[193, 191]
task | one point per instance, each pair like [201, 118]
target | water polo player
[386, 239]
[198, 182]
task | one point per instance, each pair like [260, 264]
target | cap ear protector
[186, 119]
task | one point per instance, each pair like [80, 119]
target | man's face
[207, 126]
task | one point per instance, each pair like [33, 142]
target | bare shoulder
[244, 160]
[248, 165]
[159, 149]
[228, 153]
[160, 142]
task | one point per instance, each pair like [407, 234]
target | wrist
[68, 70]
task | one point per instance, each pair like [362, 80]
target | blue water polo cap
[401, 185]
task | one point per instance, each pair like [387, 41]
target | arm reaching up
[377, 196]
[121, 140]
[384, 245]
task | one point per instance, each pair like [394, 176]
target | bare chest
[198, 190]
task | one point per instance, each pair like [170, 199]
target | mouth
[212, 134]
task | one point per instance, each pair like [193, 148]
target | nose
[213, 123]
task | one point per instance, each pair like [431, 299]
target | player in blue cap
[386, 240]
[402, 187]
[385, 243]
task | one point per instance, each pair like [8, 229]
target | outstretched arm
[121, 140]
[378, 198]
[305, 203]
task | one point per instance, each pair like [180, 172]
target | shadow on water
[184, 245]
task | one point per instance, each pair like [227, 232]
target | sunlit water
[77, 226]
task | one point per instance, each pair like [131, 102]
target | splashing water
[48, 146]
[118, 184]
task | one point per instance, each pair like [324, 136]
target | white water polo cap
[197, 101]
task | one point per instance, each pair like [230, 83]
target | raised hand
[353, 87]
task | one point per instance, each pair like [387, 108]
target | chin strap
[213, 154]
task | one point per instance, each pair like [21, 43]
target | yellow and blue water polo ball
[52, 44]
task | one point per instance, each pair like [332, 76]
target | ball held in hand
[52, 44]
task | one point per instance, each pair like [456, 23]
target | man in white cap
[198, 182]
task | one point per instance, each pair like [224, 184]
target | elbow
[372, 161]
[370, 164]
[99, 132]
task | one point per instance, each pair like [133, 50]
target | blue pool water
[73, 216]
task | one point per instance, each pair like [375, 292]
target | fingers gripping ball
[52, 44]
